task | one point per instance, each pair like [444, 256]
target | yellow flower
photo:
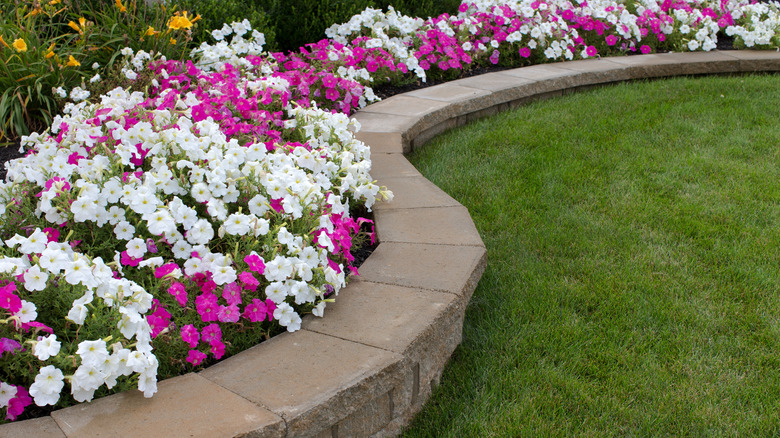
[82, 22]
[179, 22]
[55, 2]
[120, 6]
[20, 45]
[75, 27]
[3, 41]
[173, 41]
[72, 62]
[50, 51]
[150, 32]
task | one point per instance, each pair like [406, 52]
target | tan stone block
[439, 225]
[391, 166]
[675, 64]
[312, 380]
[424, 326]
[547, 78]
[369, 419]
[384, 142]
[385, 316]
[448, 92]
[756, 60]
[405, 105]
[378, 122]
[414, 192]
[44, 427]
[187, 405]
[453, 269]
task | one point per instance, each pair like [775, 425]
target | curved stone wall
[370, 364]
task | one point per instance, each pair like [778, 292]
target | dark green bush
[214, 13]
[420, 8]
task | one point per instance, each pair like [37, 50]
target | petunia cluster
[217, 201]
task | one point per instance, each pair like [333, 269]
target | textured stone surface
[405, 105]
[381, 315]
[414, 192]
[384, 142]
[369, 419]
[188, 405]
[311, 380]
[44, 427]
[391, 166]
[453, 269]
[756, 60]
[441, 225]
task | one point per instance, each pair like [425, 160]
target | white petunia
[47, 347]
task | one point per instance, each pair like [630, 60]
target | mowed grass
[633, 277]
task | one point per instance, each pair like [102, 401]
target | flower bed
[227, 186]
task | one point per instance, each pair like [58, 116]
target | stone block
[44, 427]
[439, 225]
[311, 380]
[414, 192]
[756, 60]
[453, 269]
[385, 166]
[187, 405]
[384, 142]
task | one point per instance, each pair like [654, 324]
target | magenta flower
[611, 40]
[207, 307]
[130, 261]
[248, 281]
[645, 49]
[165, 269]
[217, 349]
[525, 52]
[211, 333]
[179, 293]
[494, 57]
[255, 263]
[195, 357]
[255, 311]
[591, 51]
[9, 345]
[232, 293]
[8, 299]
[229, 313]
[190, 335]
[17, 404]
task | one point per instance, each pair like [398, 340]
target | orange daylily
[150, 32]
[76, 27]
[3, 41]
[55, 2]
[173, 42]
[120, 6]
[72, 62]
[20, 45]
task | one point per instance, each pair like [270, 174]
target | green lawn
[633, 278]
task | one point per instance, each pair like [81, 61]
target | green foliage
[299, 22]
[215, 13]
[420, 8]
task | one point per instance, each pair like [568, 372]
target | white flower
[287, 317]
[27, 312]
[61, 93]
[47, 386]
[35, 279]
[136, 248]
[7, 392]
[92, 353]
[124, 231]
[200, 233]
[47, 347]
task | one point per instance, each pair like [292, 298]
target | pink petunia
[525, 52]
[17, 404]
[255, 263]
[190, 335]
[591, 51]
[195, 357]
[179, 293]
[256, 311]
[211, 333]
[165, 269]
[229, 313]
[645, 49]
[611, 40]
[217, 349]
[248, 281]
[232, 293]
[207, 307]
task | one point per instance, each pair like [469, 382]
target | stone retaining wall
[370, 364]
